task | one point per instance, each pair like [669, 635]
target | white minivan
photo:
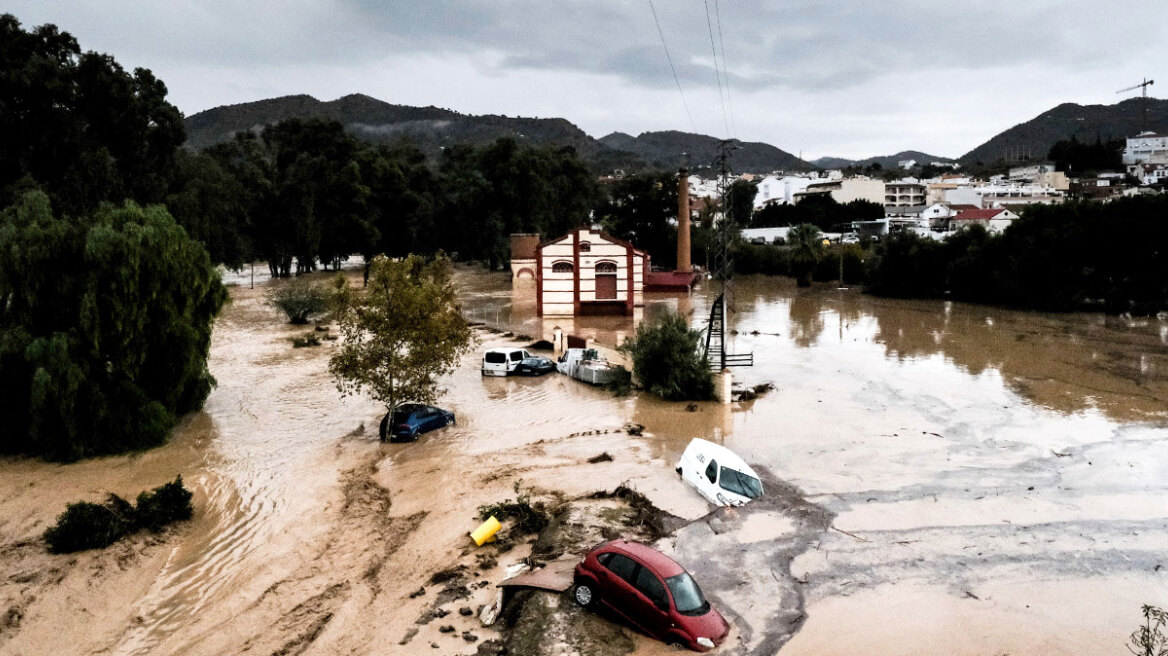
[718, 474]
[502, 361]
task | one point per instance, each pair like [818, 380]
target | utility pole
[722, 269]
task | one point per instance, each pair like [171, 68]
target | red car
[651, 592]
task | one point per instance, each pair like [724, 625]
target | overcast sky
[848, 78]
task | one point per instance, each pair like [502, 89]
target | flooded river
[982, 481]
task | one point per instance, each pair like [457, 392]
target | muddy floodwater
[941, 478]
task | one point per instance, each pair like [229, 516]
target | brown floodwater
[984, 477]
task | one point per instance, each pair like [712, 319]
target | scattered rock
[465, 611]
[469, 637]
[691, 407]
[634, 429]
[446, 628]
[417, 593]
[604, 457]
[441, 612]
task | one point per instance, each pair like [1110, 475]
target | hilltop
[433, 128]
[1034, 138]
[672, 149]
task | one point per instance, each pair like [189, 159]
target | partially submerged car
[411, 420]
[718, 474]
[651, 592]
[503, 361]
[536, 365]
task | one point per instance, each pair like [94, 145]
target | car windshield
[687, 596]
[740, 483]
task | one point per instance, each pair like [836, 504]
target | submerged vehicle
[536, 365]
[411, 420]
[588, 365]
[650, 591]
[718, 474]
[503, 361]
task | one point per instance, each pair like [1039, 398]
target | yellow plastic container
[486, 531]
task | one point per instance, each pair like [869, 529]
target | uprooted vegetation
[86, 525]
[528, 517]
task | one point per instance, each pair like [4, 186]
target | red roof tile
[966, 215]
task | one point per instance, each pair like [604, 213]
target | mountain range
[434, 128]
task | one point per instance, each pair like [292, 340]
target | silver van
[502, 361]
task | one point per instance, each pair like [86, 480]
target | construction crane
[1143, 87]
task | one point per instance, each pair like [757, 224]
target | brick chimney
[683, 248]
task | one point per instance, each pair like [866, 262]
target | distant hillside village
[937, 207]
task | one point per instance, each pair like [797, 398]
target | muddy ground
[938, 480]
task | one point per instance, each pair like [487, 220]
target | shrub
[306, 340]
[300, 300]
[667, 360]
[163, 505]
[86, 525]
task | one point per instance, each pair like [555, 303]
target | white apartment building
[1146, 148]
[848, 189]
[780, 190]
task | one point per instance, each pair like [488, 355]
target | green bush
[300, 300]
[163, 505]
[668, 361]
[86, 525]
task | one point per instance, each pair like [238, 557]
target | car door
[436, 419]
[619, 594]
[653, 603]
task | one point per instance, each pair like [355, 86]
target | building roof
[966, 215]
[963, 206]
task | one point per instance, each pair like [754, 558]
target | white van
[502, 361]
[718, 474]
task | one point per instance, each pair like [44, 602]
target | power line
[717, 73]
[725, 73]
[676, 79]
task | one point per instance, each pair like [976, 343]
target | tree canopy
[668, 361]
[401, 333]
[105, 325]
[820, 210]
[78, 126]
[640, 209]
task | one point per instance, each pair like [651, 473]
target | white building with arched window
[587, 272]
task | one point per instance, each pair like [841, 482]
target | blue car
[411, 420]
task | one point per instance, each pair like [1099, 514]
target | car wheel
[384, 431]
[584, 595]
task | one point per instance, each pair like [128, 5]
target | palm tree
[807, 249]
